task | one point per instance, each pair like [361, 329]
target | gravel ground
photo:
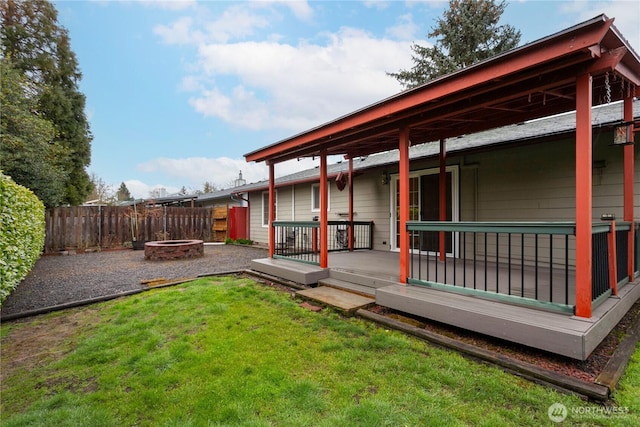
[62, 279]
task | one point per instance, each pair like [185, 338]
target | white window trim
[262, 200]
[314, 209]
[455, 200]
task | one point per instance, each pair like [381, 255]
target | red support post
[628, 168]
[443, 197]
[272, 209]
[584, 200]
[404, 204]
[324, 203]
[351, 227]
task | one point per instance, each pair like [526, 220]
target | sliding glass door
[424, 205]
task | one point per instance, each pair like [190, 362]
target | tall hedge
[21, 233]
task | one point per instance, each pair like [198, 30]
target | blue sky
[178, 91]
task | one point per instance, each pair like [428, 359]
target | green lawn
[228, 351]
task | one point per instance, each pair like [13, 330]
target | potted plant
[136, 217]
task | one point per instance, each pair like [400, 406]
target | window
[265, 207]
[315, 198]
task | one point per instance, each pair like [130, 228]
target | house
[500, 198]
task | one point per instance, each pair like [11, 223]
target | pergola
[583, 66]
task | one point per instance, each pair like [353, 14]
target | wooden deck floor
[514, 281]
[376, 273]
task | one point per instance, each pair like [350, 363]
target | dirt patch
[44, 340]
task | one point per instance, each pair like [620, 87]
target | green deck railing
[530, 263]
[518, 262]
[300, 240]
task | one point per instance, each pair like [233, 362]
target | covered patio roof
[532, 81]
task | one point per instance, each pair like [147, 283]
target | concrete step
[363, 279]
[305, 274]
[343, 300]
[348, 286]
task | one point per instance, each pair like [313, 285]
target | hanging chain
[607, 88]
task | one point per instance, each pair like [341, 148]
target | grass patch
[227, 351]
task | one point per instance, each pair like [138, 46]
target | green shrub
[21, 233]
[230, 241]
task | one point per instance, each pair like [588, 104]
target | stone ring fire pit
[173, 249]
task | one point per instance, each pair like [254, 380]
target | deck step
[341, 299]
[348, 286]
[305, 274]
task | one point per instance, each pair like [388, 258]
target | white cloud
[194, 171]
[179, 32]
[170, 4]
[625, 12]
[235, 22]
[263, 81]
[221, 171]
[405, 29]
[300, 9]
[238, 21]
[141, 190]
[294, 87]
[376, 4]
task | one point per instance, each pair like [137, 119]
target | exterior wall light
[384, 178]
[623, 134]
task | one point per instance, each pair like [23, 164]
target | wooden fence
[87, 227]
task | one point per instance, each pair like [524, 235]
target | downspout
[293, 202]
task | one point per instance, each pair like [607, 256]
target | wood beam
[404, 203]
[272, 209]
[351, 228]
[324, 203]
[584, 202]
[628, 183]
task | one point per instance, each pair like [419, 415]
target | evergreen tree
[123, 193]
[467, 33]
[209, 187]
[41, 51]
[28, 152]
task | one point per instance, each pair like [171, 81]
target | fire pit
[173, 249]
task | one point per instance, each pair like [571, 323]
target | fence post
[99, 227]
